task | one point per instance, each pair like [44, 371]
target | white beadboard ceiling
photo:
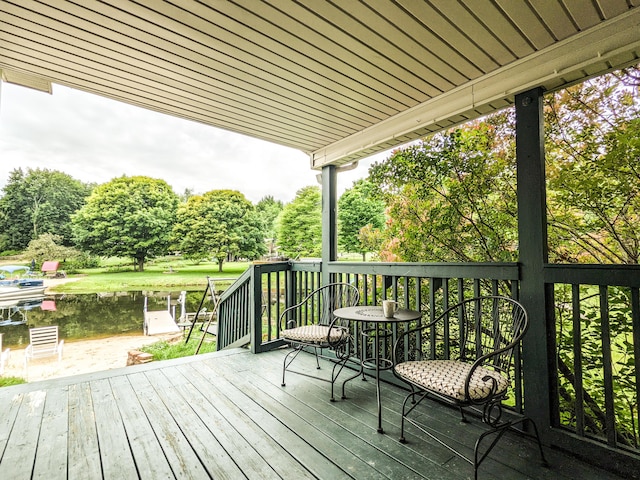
[337, 79]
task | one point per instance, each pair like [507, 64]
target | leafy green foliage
[300, 224]
[268, 210]
[10, 381]
[593, 147]
[128, 216]
[38, 202]
[166, 351]
[220, 223]
[46, 247]
[451, 198]
[359, 208]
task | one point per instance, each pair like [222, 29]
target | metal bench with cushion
[464, 358]
[311, 324]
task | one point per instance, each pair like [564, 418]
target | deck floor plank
[280, 430]
[184, 461]
[115, 453]
[148, 455]
[21, 448]
[226, 415]
[319, 432]
[211, 453]
[9, 407]
[289, 432]
[357, 435]
[228, 418]
[222, 426]
[83, 448]
[51, 459]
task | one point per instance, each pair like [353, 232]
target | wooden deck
[225, 415]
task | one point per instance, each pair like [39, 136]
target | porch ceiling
[340, 80]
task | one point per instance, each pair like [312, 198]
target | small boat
[19, 288]
[17, 292]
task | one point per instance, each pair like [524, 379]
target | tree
[128, 216]
[220, 223]
[47, 247]
[450, 198]
[359, 208]
[593, 149]
[300, 224]
[268, 210]
[40, 201]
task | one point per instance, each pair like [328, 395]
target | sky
[95, 139]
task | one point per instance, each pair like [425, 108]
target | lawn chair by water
[4, 356]
[43, 342]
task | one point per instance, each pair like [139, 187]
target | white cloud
[95, 139]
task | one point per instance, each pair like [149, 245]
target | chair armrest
[283, 316]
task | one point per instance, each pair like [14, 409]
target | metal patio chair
[464, 358]
[311, 324]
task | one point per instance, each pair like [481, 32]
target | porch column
[329, 219]
[532, 235]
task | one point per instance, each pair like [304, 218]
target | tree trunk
[141, 264]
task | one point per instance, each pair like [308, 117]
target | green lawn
[167, 273]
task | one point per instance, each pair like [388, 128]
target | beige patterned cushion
[311, 334]
[447, 377]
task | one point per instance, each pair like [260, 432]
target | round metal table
[373, 315]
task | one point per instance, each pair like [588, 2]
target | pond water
[87, 316]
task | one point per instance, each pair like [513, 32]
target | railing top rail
[497, 271]
[619, 275]
[244, 278]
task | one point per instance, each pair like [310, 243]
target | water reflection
[86, 316]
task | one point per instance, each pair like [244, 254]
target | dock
[159, 322]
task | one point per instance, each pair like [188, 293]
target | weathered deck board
[225, 415]
[84, 452]
[231, 420]
[147, 452]
[51, 459]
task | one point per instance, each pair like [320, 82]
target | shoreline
[80, 356]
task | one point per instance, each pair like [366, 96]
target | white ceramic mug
[389, 308]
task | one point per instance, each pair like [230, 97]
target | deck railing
[249, 311]
[594, 312]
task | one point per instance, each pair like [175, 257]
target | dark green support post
[329, 219]
[532, 234]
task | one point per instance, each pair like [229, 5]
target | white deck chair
[43, 342]
[4, 356]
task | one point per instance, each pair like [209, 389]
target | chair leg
[543, 459]
[406, 412]
[334, 376]
[287, 361]
[463, 417]
[500, 430]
